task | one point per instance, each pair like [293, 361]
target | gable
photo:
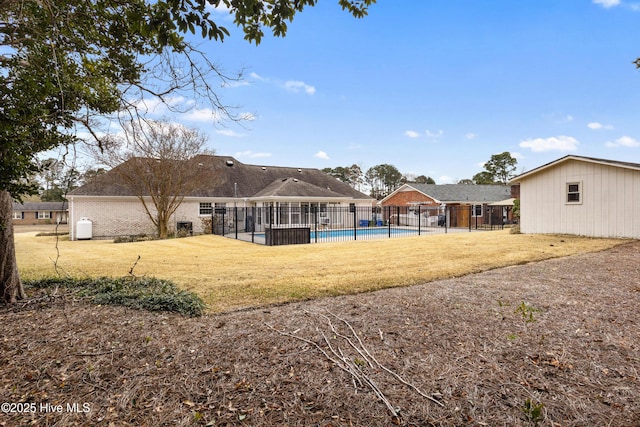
[566, 159]
[294, 187]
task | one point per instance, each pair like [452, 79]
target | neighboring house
[583, 196]
[265, 195]
[464, 204]
[32, 213]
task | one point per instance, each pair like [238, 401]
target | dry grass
[462, 341]
[231, 274]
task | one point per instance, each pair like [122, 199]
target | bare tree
[155, 160]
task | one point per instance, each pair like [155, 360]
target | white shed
[582, 196]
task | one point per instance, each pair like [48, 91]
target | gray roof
[616, 163]
[293, 187]
[227, 177]
[41, 206]
[464, 193]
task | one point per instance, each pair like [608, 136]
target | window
[205, 208]
[573, 192]
[17, 215]
[44, 215]
[221, 208]
[476, 211]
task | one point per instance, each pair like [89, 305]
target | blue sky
[435, 87]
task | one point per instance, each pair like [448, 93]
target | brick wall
[126, 217]
[31, 218]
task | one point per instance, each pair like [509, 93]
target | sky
[433, 87]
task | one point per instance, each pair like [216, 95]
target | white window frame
[44, 215]
[570, 191]
[17, 215]
[205, 209]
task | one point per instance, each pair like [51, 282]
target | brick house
[262, 195]
[33, 213]
[463, 204]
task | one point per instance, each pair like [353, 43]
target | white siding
[610, 195]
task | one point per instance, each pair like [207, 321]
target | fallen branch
[384, 368]
[336, 355]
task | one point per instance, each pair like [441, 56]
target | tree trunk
[10, 285]
[163, 228]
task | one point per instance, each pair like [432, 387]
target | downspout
[72, 230]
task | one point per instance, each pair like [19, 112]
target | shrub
[145, 293]
[137, 238]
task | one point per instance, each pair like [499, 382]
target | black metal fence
[316, 223]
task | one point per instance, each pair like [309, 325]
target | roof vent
[299, 170]
[229, 162]
[295, 180]
[264, 168]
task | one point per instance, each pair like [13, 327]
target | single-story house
[264, 195]
[463, 204]
[582, 196]
[32, 213]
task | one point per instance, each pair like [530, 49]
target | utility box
[185, 227]
[84, 229]
[287, 236]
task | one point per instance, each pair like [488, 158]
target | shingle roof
[452, 193]
[293, 187]
[41, 206]
[231, 178]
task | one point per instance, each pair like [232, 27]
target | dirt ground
[554, 343]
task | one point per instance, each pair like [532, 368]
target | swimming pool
[361, 233]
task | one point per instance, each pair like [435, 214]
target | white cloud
[554, 143]
[471, 135]
[607, 3]
[250, 154]
[297, 86]
[411, 134]
[625, 141]
[221, 8]
[569, 118]
[434, 134]
[444, 179]
[249, 117]
[229, 132]
[201, 115]
[321, 155]
[235, 83]
[598, 126]
[517, 156]
[160, 107]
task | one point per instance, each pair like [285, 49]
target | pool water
[360, 232]
[382, 231]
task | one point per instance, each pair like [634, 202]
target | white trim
[579, 192]
[604, 162]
